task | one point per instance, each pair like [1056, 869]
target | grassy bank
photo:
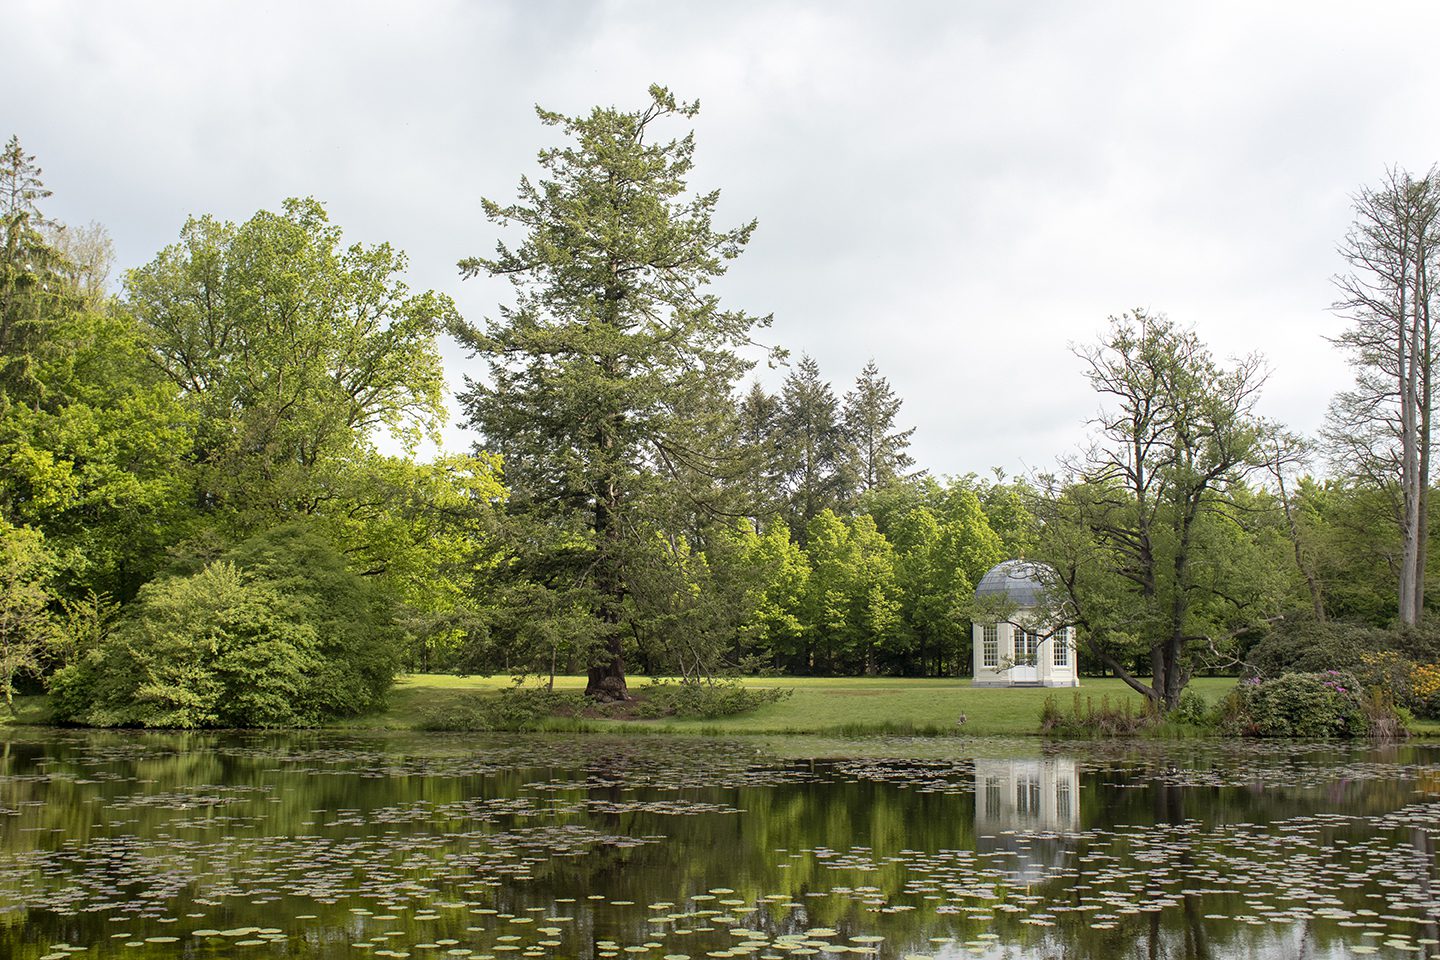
[829, 705]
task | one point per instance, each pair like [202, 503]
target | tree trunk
[1407, 372]
[1426, 363]
[607, 672]
[607, 680]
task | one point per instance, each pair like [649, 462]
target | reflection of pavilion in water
[1026, 807]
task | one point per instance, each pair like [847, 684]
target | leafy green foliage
[1153, 553]
[704, 701]
[1301, 645]
[1328, 704]
[852, 599]
[291, 350]
[277, 633]
[778, 576]
[216, 649]
[515, 709]
[27, 626]
[1091, 720]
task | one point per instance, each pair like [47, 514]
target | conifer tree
[877, 447]
[31, 287]
[610, 377]
[816, 457]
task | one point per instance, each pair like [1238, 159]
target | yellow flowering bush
[1424, 681]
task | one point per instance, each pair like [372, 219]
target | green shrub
[278, 633]
[213, 650]
[1303, 645]
[528, 708]
[357, 641]
[1193, 709]
[700, 700]
[514, 709]
[1328, 704]
[1085, 719]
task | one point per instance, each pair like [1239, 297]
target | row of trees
[885, 589]
[631, 501]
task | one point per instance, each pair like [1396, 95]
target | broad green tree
[1132, 528]
[279, 630]
[941, 555]
[609, 381]
[99, 463]
[427, 532]
[293, 351]
[852, 605]
[28, 625]
[92, 443]
[780, 571]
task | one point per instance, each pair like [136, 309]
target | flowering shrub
[1327, 704]
[1411, 685]
[1424, 681]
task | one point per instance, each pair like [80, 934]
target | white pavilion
[1012, 647]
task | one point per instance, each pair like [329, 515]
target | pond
[318, 845]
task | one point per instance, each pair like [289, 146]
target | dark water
[506, 847]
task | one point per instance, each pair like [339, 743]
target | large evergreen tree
[761, 436]
[610, 377]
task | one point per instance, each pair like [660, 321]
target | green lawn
[829, 705]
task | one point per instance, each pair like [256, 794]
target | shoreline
[821, 707]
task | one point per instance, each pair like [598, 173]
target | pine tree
[815, 453]
[32, 289]
[760, 430]
[610, 378]
[877, 447]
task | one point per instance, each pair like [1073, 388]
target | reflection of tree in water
[834, 846]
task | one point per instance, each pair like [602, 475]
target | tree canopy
[222, 499]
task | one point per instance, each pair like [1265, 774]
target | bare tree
[87, 256]
[1378, 432]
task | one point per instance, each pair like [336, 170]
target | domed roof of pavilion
[1017, 581]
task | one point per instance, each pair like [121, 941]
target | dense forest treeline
[198, 526]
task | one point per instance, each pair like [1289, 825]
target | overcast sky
[959, 190]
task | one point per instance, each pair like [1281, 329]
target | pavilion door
[1026, 643]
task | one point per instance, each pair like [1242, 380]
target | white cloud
[959, 191]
